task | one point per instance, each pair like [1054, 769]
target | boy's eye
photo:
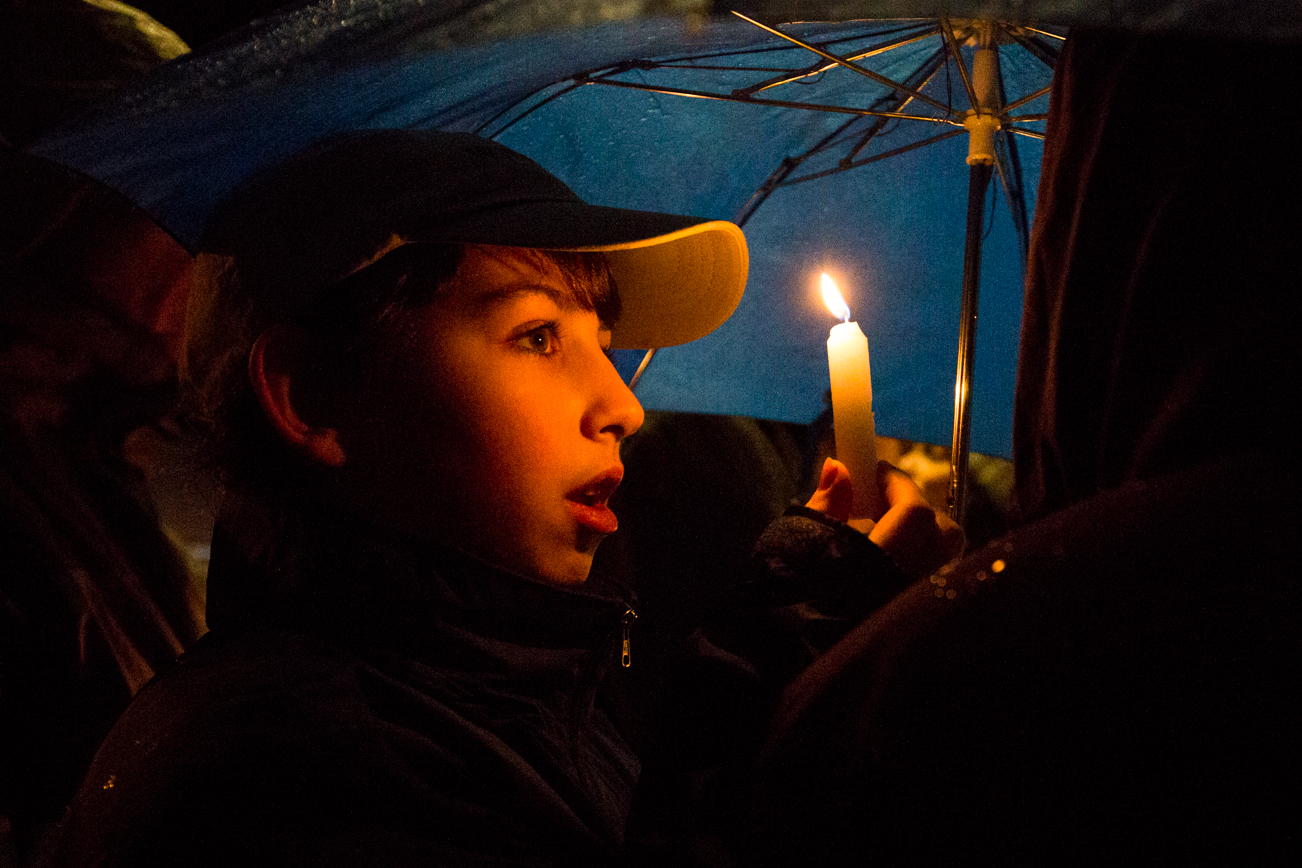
[541, 340]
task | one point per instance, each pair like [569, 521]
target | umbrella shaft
[978, 180]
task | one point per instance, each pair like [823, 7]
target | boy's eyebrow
[564, 299]
[501, 294]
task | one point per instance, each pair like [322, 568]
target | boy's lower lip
[598, 517]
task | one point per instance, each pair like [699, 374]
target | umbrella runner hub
[981, 138]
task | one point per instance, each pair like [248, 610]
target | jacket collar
[308, 568]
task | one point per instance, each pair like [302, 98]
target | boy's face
[497, 419]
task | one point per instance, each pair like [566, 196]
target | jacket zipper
[625, 656]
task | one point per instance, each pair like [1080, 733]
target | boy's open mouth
[587, 503]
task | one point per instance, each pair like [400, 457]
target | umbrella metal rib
[1042, 53]
[775, 103]
[902, 149]
[898, 100]
[923, 77]
[952, 44]
[819, 68]
[1018, 103]
[853, 67]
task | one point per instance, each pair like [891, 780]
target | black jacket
[376, 701]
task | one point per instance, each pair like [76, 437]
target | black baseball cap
[313, 219]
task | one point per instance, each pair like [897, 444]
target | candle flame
[832, 298]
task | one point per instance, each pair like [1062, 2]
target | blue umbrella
[840, 146]
[829, 100]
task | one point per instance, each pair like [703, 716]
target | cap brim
[679, 277]
[678, 286]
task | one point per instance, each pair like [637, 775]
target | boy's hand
[917, 537]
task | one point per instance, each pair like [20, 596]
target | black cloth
[1158, 329]
[366, 699]
[1111, 682]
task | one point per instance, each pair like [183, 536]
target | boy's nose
[615, 409]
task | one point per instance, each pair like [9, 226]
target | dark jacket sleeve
[810, 580]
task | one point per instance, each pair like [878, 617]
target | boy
[402, 338]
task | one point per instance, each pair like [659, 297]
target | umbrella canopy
[892, 231]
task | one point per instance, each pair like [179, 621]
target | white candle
[852, 405]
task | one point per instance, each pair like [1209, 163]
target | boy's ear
[276, 364]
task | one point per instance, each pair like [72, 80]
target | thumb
[835, 494]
